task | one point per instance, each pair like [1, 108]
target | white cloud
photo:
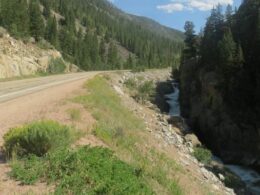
[202, 5]
[169, 8]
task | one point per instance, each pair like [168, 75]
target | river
[249, 176]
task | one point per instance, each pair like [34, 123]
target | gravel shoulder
[50, 103]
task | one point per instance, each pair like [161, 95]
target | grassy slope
[137, 166]
[123, 132]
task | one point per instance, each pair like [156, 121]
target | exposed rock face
[221, 127]
[19, 59]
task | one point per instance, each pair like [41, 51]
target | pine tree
[130, 62]
[102, 51]
[112, 57]
[239, 56]
[46, 9]
[213, 33]
[36, 21]
[190, 50]
[227, 53]
[51, 32]
[228, 14]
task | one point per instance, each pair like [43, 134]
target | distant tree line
[88, 33]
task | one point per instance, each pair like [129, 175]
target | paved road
[13, 89]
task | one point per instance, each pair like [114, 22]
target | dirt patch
[52, 104]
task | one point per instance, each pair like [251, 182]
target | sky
[173, 13]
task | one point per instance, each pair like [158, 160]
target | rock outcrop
[18, 58]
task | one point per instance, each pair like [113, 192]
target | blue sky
[173, 13]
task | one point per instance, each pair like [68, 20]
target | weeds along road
[22, 101]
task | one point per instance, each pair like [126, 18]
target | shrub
[145, 91]
[43, 44]
[37, 138]
[203, 155]
[138, 69]
[84, 170]
[29, 170]
[131, 83]
[56, 66]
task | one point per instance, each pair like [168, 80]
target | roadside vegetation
[142, 91]
[56, 66]
[41, 152]
[203, 155]
[122, 131]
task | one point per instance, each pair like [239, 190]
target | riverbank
[169, 134]
[249, 179]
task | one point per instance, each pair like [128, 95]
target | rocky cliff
[20, 58]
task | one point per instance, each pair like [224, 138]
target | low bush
[83, 170]
[56, 66]
[145, 91]
[28, 170]
[131, 83]
[138, 69]
[43, 44]
[142, 91]
[203, 155]
[37, 138]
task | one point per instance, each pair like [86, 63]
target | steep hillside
[93, 34]
[220, 84]
[157, 28]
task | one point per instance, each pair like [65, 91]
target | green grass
[140, 90]
[37, 138]
[113, 118]
[56, 66]
[83, 170]
[203, 155]
[43, 154]
[130, 169]
[120, 129]
[131, 83]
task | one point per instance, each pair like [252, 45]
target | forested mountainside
[92, 33]
[220, 82]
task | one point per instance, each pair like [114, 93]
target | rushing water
[250, 177]
[173, 101]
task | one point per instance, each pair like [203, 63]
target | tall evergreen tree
[213, 33]
[228, 14]
[227, 51]
[51, 32]
[112, 58]
[36, 20]
[190, 41]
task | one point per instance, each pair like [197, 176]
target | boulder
[193, 139]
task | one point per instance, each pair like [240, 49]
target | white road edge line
[40, 87]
